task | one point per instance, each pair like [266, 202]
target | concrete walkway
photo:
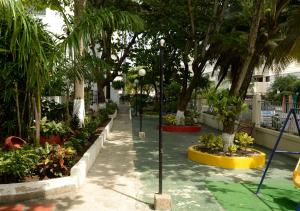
[112, 183]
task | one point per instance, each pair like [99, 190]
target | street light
[161, 201]
[160, 147]
[136, 82]
[142, 73]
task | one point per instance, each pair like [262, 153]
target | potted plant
[52, 132]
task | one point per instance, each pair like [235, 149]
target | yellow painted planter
[257, 161]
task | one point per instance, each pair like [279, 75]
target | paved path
[112, 183]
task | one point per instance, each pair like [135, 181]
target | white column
[256, 109]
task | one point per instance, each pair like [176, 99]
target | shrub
[243, 140]
[118, 84]
[103, 113]
[189, 121]
[225, 105]
[111, 107]
[170, 119]
[50, 128]
[75, 122]
[75, 143]
[55, 161]
[232, 148]
[15, 165]
[53, 110]
[212, 142]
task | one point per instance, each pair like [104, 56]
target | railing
[247, 115]
[274, 114]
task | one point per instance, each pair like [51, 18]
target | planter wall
[211, 121]
[41, 189]
[257, 161]
[114, 115]
[267, 138]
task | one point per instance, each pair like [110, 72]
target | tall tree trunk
[38, 115]
[79, 108]
[258, 9]
[186, 94]
[101, 95]
[199, 58]
[18, 110]
[67, 103]
[228, 133]
[108, 91]
[244, 71]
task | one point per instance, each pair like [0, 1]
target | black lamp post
[136, 82]
[160, 147]
[142, 73]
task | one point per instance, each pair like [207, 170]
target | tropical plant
[211, 142]
[111, 107]
[170, 119]
[49, 128]
[76, 144]
[118, 84]
[53, 110]
[15, 165]
[55, 161]
[226, 106]
[243, 140]
[233, 148]
[75, 123]
[31, 49]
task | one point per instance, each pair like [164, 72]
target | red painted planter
[181, 128]
[53, 139]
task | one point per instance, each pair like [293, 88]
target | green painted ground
[199, 187]
[275, 195]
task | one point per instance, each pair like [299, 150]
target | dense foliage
[214, 143]
[49, 161]
[283, 85]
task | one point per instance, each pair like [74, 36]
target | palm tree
[96, 27]
[31, 48]
[79, 109]
[272, 41]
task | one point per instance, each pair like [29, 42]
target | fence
[268, 114]
[273, 116]
[247, 115]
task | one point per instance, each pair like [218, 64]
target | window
[267, 78]
[258, 79]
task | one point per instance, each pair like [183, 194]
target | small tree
[227, 107]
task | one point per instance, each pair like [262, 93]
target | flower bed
[44, 188]
[211, 150]
[255, 159]
[181, 128]
[189, 125]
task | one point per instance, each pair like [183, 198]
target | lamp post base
[142, 135]
[162, 202]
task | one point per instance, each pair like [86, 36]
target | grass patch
[274, 195]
